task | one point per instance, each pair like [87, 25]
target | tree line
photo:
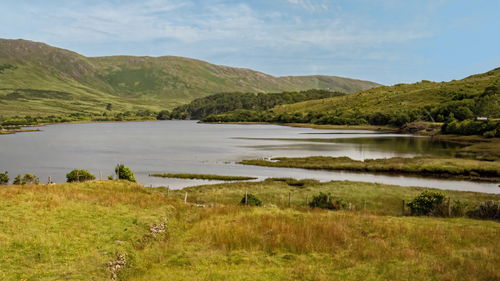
[457, 115]
[226, 102]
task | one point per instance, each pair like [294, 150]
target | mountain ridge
[32, 71]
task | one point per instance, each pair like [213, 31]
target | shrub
[459, 208]
[295, 182]
[489, 210]
[325, 201]
[427, 203]
[124, 173]
[251, 200]
[79, 175]
[4, 178]
[110, 177]
[26, 179]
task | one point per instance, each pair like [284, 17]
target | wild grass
[424, 166]
[203, 177]
[273, 244]
[373, 198]
[70, 232]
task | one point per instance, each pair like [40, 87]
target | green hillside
[38, 79]
[402, 97]
[456, 103]
[225, 102]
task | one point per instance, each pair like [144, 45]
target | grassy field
[202, 177]
[73, 232]
[424, 166]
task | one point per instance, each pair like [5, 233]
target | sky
[385, 41]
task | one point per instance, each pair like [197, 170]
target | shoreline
[313, 126]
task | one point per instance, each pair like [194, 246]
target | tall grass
[71, 231]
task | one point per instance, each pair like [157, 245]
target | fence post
[289, 199]
[403, 208]
[364, 205]
[449, 207]
[185, 197]
[246, 196]
[307, 199]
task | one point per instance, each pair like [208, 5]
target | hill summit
[36, 78]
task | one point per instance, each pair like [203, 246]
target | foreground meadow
[102, 230]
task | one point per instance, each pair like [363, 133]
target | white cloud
[310, 5]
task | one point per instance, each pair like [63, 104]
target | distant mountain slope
[476, 95]
[401, 97]
[36, 78]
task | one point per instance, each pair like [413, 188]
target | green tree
[163, 115]
[79, 175]
[26, 179]
[109, 107]
[124, 173]
[4, 178]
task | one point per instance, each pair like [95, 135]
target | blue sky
[386, 41]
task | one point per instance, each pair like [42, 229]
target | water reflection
[188, 147]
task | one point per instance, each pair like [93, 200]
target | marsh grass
[424, 166]
[202, 177]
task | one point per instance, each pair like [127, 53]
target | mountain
[36, 78]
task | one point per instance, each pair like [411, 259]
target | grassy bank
[75, 231]
[203, 177]
[342, 127]
[13, 131]
[424, 166]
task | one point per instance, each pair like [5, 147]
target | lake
[190, 147]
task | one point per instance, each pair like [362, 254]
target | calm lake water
[189, 147]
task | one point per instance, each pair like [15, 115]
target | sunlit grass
[71, 231]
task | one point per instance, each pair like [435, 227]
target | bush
[124, 173]
[79, 175]
[489, 210]
[4, 178]
[325, 201]
[26, 179]
[459, 208]
[295, 182]
[427, 203]
[251, 200]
